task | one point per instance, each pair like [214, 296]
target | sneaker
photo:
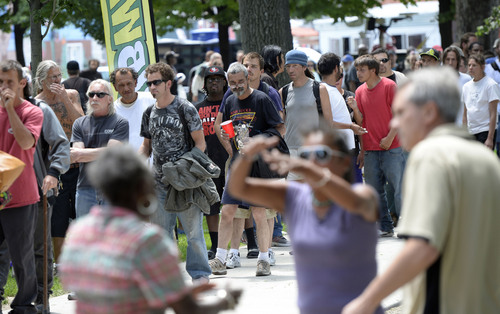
[233, 261]
[200, 281]
[218, 268]
[272, 258]
[263, 268]
[72, 296]
[253, 253]
[281, 241]
[385, 234]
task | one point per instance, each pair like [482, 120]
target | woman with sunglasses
[332, 223]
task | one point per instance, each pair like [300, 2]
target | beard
[239, 91]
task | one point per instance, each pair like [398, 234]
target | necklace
[319, 203]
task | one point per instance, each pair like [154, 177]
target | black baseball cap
[214, 70]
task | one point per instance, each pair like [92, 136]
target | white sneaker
[233, 260]
[272, 258]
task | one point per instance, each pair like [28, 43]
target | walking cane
[45, 262]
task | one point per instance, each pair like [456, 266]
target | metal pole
[45, 260]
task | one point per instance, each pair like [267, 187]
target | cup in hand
[227, 126]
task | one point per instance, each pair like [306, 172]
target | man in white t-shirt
[131, 104]
[328, 67]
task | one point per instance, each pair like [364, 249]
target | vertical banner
[130, 36]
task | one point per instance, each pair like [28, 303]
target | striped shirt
[116, 263]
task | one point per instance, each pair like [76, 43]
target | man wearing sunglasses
[385, 70]
[92, 133]
[449, 263]
[172, 128]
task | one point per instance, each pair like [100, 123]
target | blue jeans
[381, 167]
[86, 198]
[192, 221]
[278, 227]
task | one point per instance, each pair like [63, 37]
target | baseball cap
[347, 58]
[214, 70]
[431, 52]
[73, 66]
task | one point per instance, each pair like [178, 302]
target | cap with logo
[432, 53]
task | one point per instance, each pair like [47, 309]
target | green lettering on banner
[128, 36]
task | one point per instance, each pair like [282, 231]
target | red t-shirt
[376, 106]
[24, 190]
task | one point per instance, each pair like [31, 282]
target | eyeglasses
[322, 154]
[155, 82]
[237, 85]
[98, 94]
[215, 80]
[385, 60]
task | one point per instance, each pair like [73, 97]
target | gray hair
[438, 85]
[41, 73]
[108, 89]
[236, 68]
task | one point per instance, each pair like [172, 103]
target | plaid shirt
[116, 263]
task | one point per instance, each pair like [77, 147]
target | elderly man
[131, 104]
[66, 105]
[252, 113]
[451, 248]
[101, 127]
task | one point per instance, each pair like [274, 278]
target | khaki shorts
[245, 213]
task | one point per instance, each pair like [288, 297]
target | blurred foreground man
[450, 261]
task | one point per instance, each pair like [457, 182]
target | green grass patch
[10, 288]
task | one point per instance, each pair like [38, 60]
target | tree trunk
[265, 22]
[18, 40]
[225, 49]
[18, 35]
[445, 22]
[35, 36]
[470, 15]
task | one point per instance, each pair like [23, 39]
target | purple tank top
[334, 256]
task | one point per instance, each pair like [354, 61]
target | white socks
[221, 255]
[263, 256]
[234, 251]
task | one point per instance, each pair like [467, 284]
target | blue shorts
[227, 199]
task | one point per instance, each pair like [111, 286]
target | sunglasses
[321, 153]
[99, 94]
[385, 60]
[155, 82]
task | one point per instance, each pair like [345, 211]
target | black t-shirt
[81, 85]
[392, 77]
[208, 111]
[251, 116]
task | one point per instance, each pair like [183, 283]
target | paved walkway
[273, 294]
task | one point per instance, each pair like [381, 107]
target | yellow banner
[130, 36]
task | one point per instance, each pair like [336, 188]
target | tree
[470, 16]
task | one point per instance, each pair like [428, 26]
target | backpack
[495, 67]
[284, 94]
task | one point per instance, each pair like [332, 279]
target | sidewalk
[273, 294]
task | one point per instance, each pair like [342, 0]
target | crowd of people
[326, 153]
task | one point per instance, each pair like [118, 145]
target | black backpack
[284, 94]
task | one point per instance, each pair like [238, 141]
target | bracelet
[326, 177]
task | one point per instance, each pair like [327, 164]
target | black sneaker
[211, 255]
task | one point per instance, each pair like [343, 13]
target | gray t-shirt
[96, 132]
[301, 113]
[165, 129]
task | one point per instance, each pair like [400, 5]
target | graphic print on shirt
[242, 122]
[207, 116]
[169, 131]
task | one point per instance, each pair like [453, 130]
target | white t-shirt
[462, 79]
[341, 114]
[133, 114]
[477, 96]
